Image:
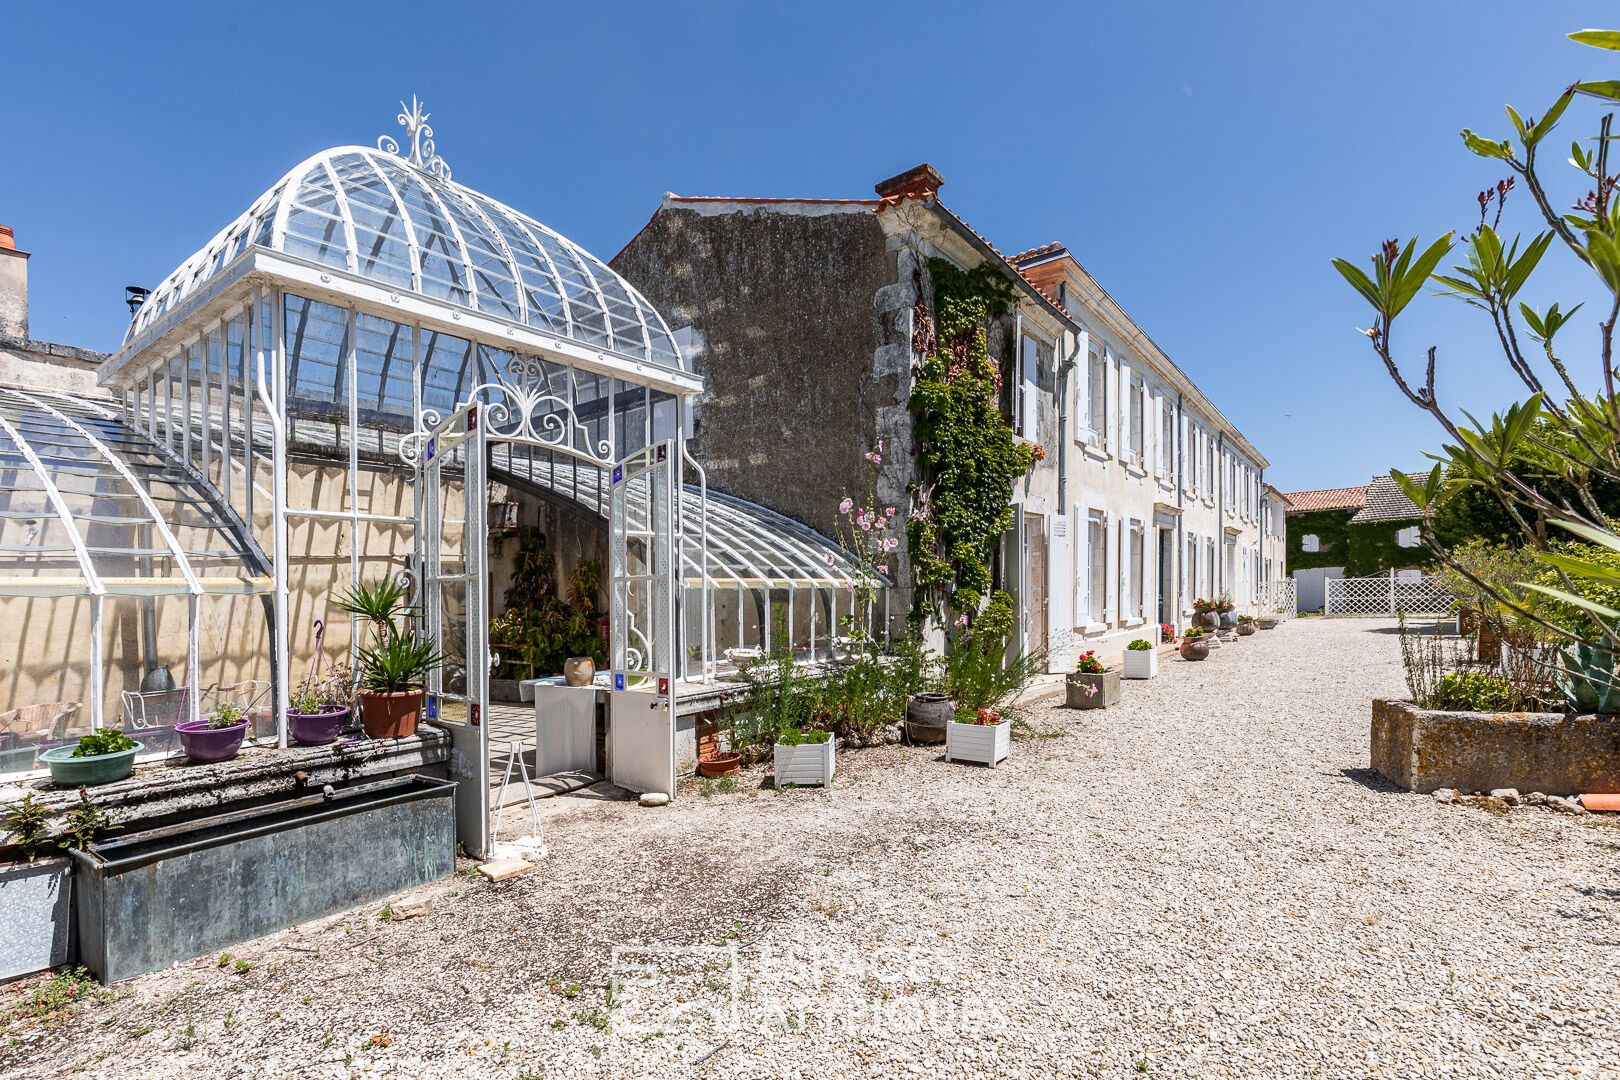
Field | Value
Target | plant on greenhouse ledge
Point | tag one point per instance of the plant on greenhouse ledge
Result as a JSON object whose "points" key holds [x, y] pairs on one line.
{"points": [[103, 741], [1545, 459], [392, 675], [1140, 645], [381, 605], [226, 715]]}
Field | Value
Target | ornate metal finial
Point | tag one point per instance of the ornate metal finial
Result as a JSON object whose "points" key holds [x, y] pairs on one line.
{"points": [[422, 155]]}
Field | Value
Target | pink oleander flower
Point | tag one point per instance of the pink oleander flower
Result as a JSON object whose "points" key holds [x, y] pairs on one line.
{"points": [[845, 506]]}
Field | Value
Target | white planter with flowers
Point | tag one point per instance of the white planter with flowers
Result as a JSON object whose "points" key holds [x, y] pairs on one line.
{"points": [[984, 743], [1141, 663]]}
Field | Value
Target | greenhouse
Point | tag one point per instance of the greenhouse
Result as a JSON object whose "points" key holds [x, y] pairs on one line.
{"points": [[378, 373]]}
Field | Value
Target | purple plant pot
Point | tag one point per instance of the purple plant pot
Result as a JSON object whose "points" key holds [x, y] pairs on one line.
{"points": [[205, 744], [315, 729]]}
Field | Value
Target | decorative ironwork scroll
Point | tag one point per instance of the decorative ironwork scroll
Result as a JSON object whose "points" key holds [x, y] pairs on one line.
{"points": [[420, 134]]}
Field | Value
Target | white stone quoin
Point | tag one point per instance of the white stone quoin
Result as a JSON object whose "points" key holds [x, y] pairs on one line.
{"points": [[807, 763], [984, 743]]}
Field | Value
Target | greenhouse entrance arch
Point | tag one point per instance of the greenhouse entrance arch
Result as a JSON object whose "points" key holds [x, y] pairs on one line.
{"points": [[453, 456]]}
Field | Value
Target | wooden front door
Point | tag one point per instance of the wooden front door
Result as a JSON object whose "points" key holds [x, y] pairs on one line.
{"points": [[1035, 562]]}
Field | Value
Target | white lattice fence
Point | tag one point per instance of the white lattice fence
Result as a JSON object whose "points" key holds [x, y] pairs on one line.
{"points": [[1386, 596], [1278, 600]]}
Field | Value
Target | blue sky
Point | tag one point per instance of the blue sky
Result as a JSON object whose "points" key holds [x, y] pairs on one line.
{"points": [[1204, 160]]}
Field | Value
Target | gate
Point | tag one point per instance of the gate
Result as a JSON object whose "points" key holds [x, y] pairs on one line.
{"points": [[1389, 596], [1278, 600], [454, 584], [641, 597]]}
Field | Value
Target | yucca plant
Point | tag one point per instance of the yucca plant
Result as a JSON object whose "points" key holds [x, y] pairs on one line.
{"points": [[398, 664]]}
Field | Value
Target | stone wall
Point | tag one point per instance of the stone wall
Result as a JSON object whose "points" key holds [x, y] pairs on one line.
{"points": [[780, 305]]}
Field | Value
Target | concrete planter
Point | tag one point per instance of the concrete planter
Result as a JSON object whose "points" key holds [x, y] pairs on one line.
{"points": [[806, 764], [983, 743], [36, 916], [1423, 750], [1088, 690], [1140, 664], [1266, 624]]}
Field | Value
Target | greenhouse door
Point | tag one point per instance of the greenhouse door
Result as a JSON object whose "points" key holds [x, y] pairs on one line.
{"points": [[641, 598], [454, 579]]}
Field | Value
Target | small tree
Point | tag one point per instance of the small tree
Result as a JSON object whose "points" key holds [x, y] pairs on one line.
{"points": [[1542, 460]]}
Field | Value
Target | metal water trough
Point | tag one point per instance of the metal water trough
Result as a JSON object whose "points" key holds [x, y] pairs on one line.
{"points": [[152, 899]]}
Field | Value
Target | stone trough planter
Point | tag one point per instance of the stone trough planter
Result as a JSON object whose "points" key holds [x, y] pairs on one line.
{"points": [[1424, 750], [1087, 690]]}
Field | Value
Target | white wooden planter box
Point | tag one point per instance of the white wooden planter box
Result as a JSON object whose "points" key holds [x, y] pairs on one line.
{"points": [[807, 763], [984, 743], [1141, 663]]}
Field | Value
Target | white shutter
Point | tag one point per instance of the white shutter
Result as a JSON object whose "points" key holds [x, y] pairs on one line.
{"points": [[1125, 434], [1111, 403], [1081, 411], [1059, 590], [1155, 432], [1111, 568]]}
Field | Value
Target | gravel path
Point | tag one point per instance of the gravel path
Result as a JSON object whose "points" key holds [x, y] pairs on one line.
{"points": [[1202, 881]]}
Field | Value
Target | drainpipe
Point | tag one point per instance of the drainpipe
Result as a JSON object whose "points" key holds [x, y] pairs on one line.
{"points": [[1182, 584], [1063, 433], [1220, 513]]}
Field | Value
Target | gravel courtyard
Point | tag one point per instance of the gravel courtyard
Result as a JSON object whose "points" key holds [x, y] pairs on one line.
{"points": [[1202, 881]]}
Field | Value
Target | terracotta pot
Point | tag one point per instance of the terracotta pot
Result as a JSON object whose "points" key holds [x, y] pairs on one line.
{"points": [[720, 764], [1195, 649], [1488, 647], [1467, 620], [579, 671], [1244, 629], [316, 729], [207, 745], [926, 716], [390, 716]]}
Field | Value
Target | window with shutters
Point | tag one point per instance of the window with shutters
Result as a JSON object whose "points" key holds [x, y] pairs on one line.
{"points": [[1137, 568], [1167, 439], [1138, 408], [1097, 392], [1097, 552]]}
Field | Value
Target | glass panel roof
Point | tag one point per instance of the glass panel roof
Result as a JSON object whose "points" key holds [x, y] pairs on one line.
{"points": [[88, 504], [370, 213]]}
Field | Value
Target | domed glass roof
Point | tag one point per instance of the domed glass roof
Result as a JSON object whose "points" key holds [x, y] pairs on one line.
{"points": [[370, 213]]}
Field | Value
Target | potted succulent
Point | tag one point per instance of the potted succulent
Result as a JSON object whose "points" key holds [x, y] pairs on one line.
{"points": [[1092, 686], [393, 675], [1193, 645], [1223, 608], [216, 739], [1206, 613], [981, 736], [1141, 660], [319, 710], [100, 757], [805, 757], [1245, 625], [394, 668]]}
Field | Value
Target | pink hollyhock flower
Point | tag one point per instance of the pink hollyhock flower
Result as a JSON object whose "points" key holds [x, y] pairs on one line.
{"points": [[866, 525], [844, 507], [888, 511], [961, 620], [883, 568]]}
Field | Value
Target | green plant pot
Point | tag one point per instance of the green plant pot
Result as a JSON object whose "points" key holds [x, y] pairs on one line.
{"points": [[70, 771]]}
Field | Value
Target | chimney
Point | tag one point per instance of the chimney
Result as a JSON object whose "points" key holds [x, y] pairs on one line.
{"points": [[13, 287], [919, 182]]}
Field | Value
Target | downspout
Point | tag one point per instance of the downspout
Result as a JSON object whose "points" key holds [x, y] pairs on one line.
{"points": [[1220, 514], [1183, 585]]}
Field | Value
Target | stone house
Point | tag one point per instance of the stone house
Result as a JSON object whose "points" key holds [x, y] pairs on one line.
{"points": [[799, 315], [1361, 531]]}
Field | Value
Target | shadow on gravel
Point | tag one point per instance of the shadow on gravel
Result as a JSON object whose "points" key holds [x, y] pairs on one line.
{"points": [[1446, 628], [1373, 780]]}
